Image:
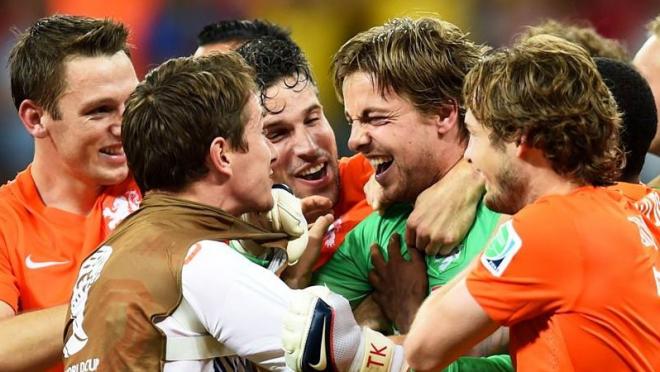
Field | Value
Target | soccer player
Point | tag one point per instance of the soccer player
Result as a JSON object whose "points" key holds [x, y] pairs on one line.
{"points": [[401, 87], [549, 273], [165, 291], [303, 145], [69, 78]]}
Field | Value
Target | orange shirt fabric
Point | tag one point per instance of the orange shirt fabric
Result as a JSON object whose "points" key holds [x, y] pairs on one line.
{"points": [[577, 280], [41, 248], [351, 207]]}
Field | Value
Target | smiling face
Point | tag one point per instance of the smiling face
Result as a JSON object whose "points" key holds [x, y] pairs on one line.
{"points": [[86, 141], [303, 139], [506, 184], [400, 142]]}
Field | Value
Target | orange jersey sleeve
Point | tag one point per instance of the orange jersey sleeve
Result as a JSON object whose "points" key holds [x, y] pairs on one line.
{"points": [[351, 208], [575, 278], [41, 248]]}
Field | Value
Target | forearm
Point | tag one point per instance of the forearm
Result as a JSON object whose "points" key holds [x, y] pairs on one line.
{"points": [[33, 340], [446, 327]]}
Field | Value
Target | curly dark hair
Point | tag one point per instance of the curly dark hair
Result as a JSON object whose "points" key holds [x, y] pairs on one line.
{"points": [[241, 31], [638, 112], [276, 60], [548, 90]]}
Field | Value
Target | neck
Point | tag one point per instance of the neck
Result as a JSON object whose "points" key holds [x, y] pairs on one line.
{"points": [[207, 192], [61, 189], [545, 181], [447, 159]]}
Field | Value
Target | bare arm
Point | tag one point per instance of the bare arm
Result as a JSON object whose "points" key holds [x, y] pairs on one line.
{"points": [[444, 212], [458, 322], [31, 341]]}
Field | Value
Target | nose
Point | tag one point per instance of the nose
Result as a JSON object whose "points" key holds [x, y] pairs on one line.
{"points": [[359, 138], [273, 152], [115, 127], [305, 146]]}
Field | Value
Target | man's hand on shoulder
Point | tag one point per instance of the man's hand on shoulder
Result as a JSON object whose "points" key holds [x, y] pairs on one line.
{"points": [[445, 212]]}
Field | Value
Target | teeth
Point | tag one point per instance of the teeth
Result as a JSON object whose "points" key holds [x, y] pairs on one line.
{"points": [[376, 161], [312, 170], [115, 150]]}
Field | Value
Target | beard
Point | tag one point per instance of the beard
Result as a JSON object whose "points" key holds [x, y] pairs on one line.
{"points": [[509, 193]]}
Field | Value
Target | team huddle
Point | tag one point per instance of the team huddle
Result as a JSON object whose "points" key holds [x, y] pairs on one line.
{"points": [[492, 218]]}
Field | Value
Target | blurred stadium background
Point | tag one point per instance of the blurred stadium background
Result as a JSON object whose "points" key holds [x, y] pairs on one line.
{"points": [[162, 29]]}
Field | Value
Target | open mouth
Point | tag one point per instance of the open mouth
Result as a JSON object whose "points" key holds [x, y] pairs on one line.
{"points": [[381, 163], [113, 150], [314, 173]]}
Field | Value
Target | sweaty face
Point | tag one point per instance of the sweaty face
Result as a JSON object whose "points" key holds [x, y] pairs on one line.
{"points": [[506, 185], [647, 61], [400, 142], [251, 170], [305, 143], [86, 140]]}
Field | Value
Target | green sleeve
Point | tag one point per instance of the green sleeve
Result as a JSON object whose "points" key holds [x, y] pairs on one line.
{"points": [[441, 269], [347, 271], [494, 363]]}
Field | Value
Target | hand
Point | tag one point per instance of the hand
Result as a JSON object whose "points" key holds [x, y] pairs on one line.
{"points": [[319, 332], [444, 212], [315, 206], [374, 194], [315, 320], [369, 314], [299, 274], [286, 216], [400, 286]]}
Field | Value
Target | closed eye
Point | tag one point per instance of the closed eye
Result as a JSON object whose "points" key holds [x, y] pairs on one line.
{"points": [[275, 135]]}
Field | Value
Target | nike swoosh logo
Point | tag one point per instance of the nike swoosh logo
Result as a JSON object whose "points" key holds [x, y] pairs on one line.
{"points": [[40, 265], [320, 366]]}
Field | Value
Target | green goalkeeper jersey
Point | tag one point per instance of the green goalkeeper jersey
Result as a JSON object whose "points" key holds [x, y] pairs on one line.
{"points": [[347, 271]]}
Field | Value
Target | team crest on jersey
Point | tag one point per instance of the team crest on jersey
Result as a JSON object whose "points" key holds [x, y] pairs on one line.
{"points": [[329, 240], [502, 249], [121, 207]]}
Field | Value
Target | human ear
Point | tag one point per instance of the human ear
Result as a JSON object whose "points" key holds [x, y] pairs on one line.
{"points": [[32, 115]]}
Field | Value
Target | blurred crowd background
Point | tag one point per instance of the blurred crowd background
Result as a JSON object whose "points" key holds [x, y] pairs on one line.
{"points": [[162, 29]]}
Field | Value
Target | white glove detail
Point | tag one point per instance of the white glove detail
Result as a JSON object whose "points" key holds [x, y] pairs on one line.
{"points": [[286, 216], [320, 334]]}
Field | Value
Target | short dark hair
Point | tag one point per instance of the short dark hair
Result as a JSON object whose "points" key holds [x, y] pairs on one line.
{"points": [[548, 90], [423, 60], [638, 112], [582, 34], [37, 60], [177, 111], [276, 60], [240, 31]]}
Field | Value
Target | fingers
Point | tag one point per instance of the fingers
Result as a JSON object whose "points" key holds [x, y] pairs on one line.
{"points": [[377, 259], [394, 248], [411, 234], [320, 226], [314, 206], [417, 256]]}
